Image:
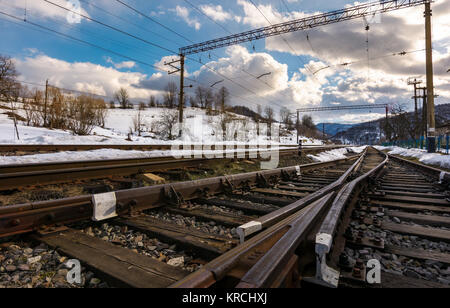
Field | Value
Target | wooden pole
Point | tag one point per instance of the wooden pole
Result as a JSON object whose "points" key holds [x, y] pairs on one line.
{"points": [[181, 98], [431, 125]]}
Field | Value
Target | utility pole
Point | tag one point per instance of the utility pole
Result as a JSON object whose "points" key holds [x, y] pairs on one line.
{"points": [[181, 95], [181, 98], [415, 82], [323, 130], [386, 129], [45, 103], [423, 128], [298, 126], [431, 126]]}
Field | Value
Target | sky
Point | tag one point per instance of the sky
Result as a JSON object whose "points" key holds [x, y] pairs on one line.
{"points": [[112, 46]]}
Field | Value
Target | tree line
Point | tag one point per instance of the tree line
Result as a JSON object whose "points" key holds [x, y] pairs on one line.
{"points": [[204, 98], [50, 108]]}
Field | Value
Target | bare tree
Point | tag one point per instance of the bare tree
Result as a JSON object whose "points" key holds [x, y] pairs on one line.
{"points": [[222, 98], [170, 95], [270, 115], [58, 109], [285, 115], [8, 76], [152, 102], [101, 111], [259, 111], [123, 98], [204, 97], [137, 123], [82, 112], [166, 124], [308, 122], [400, 125], [142, 106]]}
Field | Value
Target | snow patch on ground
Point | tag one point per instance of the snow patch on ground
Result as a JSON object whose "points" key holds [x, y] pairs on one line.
{"points": [[434, 159], [107, 154], [336, 154], [200, 129]]}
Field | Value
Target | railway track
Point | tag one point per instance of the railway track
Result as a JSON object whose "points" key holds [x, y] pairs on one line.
{"points": [[316, 224], [21, 175], [398, 219], [199, 220], [46, 148]]}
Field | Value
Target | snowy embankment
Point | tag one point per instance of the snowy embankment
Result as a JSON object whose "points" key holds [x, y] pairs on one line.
{"points": [[108, 154], [200, 129], [434, 159], [336, 154]]}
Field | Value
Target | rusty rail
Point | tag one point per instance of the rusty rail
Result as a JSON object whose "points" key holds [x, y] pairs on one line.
{"points": [[272, 248], [4, 148], [25, 218], [276, 216], [14, 176], [436, 173], [326, 275]]}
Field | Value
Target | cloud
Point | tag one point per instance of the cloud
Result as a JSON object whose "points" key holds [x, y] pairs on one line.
{"points": [[121, 65], [184, 13], [383, 78], [42, 9], [241, 66], [216, 12], [81, 76]]}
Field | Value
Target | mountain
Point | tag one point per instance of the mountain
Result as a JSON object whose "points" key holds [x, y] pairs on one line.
{"points": [[331, 129], [245, 111], [373, 132]]}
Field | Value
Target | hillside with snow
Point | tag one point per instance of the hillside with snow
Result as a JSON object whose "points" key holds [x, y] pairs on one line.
{"points": [[119, 129]]}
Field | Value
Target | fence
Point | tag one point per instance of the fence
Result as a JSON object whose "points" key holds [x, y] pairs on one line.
{"points": [[442, 143]]}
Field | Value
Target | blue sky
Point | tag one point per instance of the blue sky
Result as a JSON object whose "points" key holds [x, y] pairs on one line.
{"points": [[41, 55]]}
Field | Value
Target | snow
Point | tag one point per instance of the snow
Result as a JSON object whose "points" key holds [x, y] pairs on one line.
{"points": [[336, 154], [434, 159], [107, 154], [199, 129]]}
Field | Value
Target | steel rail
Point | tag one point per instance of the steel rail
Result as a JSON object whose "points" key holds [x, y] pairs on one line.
{"points": [[278, 215], [15, 176], [267, 270], [437, 174], [34, 148], [28, 167], [87, 147], [325, 239], [22, 175], [18, 219], [326, 275], [280, 235]]}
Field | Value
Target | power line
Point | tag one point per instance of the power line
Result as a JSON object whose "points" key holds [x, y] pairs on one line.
{"points": [[130, 22], [62, 89], [66, 36], [243, 70], [81, 41], [403, 53], [307, 34], [203, 13], [109, 26], [284, 39], [155, 45], [154, 20], [213, 70]]}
